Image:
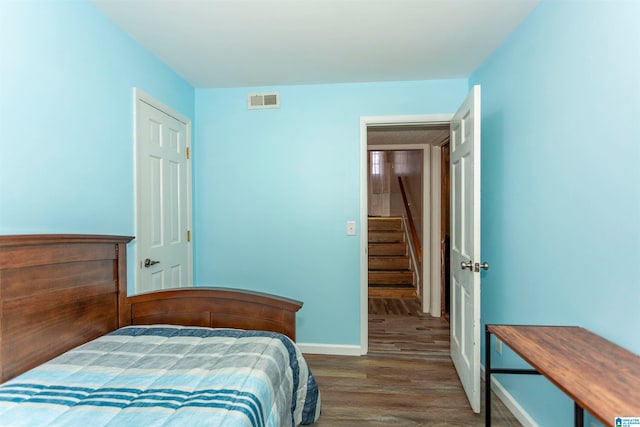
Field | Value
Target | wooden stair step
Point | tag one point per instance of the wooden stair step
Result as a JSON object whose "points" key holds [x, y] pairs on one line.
{"points": [[391, 277], [397, 286], [390, 274], [387, 249], [385, 224], [392, 292], [389, 263], [386, 237]]}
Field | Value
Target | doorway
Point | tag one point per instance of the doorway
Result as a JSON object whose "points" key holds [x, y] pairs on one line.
{"points": [[395, 217], [465, 235], [414, 128]]}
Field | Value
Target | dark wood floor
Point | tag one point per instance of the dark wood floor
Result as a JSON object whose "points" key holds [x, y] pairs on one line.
{"points": [[407, 379]]}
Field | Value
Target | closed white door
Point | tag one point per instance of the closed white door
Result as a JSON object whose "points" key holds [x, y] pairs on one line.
{"points": [[163, 236], [465, 245]]}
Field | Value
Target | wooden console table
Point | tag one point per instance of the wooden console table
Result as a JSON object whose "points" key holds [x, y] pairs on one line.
{"points": [[600, 376]]}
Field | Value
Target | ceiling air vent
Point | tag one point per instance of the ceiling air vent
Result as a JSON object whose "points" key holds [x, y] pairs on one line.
{"points": [[264, 100]]}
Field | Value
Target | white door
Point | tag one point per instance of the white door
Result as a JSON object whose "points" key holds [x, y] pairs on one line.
{"points": [[465, 245], [162, 211]]}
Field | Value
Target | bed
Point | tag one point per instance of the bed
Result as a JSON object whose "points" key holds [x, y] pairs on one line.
{"points": [[75, 349]]}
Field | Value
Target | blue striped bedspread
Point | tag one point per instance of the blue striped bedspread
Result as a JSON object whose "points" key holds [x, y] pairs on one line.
{"points": [[164, 375]]}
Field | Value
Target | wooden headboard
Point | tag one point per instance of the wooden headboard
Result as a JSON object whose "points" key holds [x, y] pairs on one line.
{"points": [[60, 291], [56, 292]]}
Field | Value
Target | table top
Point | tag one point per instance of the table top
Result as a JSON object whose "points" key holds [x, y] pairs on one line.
{"points": [[602, 377]]}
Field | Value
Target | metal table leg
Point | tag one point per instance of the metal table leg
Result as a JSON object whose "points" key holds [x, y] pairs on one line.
{"points": [[578, 415], [487, 377]]}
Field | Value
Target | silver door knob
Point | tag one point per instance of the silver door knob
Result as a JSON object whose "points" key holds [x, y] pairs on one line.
{"points": [[484, 266], [465, 265], [148, 263]]}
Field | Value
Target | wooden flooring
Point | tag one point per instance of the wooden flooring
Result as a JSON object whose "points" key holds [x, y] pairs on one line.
{"points": [[397, 327], [407, 379]]}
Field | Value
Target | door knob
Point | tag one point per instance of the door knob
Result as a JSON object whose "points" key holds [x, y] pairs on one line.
{"points": [[148, 263], [484, 266], [465, 265]]}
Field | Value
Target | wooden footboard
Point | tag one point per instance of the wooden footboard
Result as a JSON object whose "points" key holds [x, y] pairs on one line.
{"points": [[213, 307], [60, 291]]}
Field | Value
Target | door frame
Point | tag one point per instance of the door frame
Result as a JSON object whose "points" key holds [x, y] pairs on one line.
{"points": [[428, 227], [141, 96]]}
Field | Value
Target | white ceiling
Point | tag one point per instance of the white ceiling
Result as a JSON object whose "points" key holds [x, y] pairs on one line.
{"points": [[237, 43]]}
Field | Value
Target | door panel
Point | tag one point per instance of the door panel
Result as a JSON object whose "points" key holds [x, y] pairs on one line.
{"points": [[465, 245], [155, 204], [175, 221]]}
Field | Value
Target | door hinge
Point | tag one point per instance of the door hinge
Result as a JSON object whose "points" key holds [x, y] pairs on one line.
{"points": [[186, 151], [188, 235]]}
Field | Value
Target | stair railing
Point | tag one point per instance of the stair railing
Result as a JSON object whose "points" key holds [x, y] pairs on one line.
{"points": [[414, 243], [412, 226]]}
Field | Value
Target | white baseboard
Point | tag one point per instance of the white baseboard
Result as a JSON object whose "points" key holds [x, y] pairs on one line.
{"points": [[333, 349], [509, 401]]}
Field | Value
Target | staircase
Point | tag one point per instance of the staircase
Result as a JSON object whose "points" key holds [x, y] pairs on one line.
{"points": [[390, 274]]}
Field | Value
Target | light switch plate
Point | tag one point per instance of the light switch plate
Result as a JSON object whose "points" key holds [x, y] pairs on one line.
{"points": [[351, 228]]}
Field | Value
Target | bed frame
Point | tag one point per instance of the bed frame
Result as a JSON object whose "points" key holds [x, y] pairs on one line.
{"points": [[60, 291]]}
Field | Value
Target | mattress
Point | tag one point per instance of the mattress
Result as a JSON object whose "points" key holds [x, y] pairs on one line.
{"points": [[164, 375]]}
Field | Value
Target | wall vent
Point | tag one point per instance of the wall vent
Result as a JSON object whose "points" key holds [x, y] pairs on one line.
{"points": [[264, 100]]}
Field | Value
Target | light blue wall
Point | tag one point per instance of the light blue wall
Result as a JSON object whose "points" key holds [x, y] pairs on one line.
{"points": [[561, 181], [66, 106], [274, 189]]}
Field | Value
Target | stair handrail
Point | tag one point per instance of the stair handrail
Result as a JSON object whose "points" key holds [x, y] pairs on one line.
{"points": [[415, 265], [412, 226]]}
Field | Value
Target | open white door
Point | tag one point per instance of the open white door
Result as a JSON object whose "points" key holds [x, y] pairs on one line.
{"points": [[163, 214], [465, 245]]}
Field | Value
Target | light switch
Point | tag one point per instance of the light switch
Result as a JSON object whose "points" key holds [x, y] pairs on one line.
{"points": [[351, 228]]}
